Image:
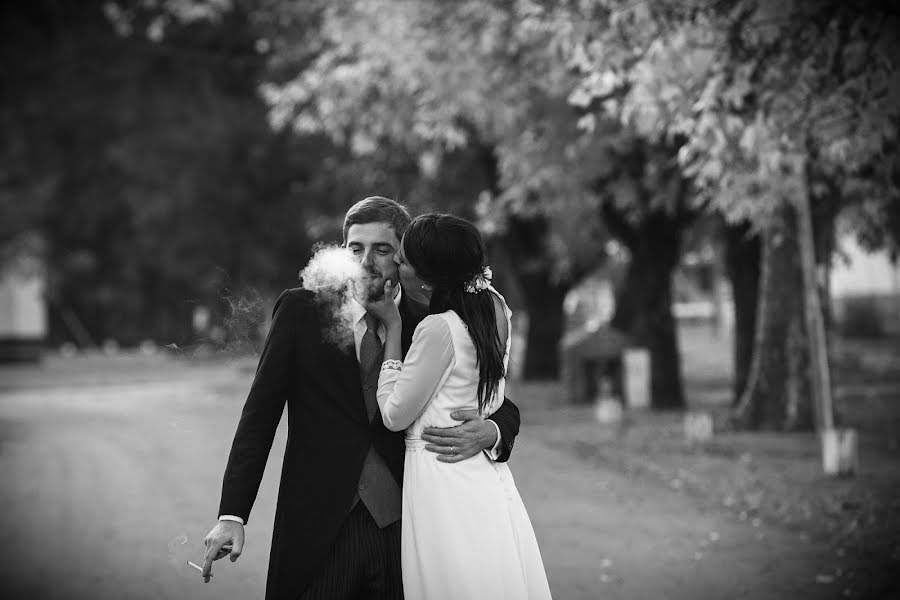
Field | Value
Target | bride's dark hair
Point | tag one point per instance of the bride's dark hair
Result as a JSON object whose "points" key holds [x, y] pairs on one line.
{"points": [[447, 252]]}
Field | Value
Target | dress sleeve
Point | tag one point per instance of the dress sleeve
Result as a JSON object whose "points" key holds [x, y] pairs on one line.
{"points": [[404, 394]]}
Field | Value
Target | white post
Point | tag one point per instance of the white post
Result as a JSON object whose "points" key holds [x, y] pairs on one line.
{"points": [[839, 452], [607, 408], [698, 427], [636, 377]]}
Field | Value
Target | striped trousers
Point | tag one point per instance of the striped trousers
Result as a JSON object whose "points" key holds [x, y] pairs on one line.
{"points": [[364, 562]]}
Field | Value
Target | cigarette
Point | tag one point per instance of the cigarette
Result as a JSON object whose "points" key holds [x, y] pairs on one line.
{"points": [[196, 566]]}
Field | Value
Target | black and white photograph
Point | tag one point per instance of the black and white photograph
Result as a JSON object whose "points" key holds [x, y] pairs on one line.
{"points": [[450, 299]]}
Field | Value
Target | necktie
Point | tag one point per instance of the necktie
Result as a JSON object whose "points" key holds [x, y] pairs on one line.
{"points": [[371, 353]]}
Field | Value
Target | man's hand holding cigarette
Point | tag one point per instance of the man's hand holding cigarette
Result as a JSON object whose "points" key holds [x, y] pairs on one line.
{"points": [[225, 532]]}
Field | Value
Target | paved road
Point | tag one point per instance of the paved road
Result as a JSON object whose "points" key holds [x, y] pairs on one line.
{"points": [[109, 484]]}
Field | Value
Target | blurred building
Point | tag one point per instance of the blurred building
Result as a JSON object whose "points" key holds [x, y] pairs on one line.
{"points": [[23, 310], [701, 292], [590, 351], [865, 291]]}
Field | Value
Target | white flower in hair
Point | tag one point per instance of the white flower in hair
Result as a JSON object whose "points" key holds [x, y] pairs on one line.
{"points": [[480, 281]]}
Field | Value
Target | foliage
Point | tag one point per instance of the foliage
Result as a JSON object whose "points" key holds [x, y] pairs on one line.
{"points": [[754, 87], [522, 113], [134, 159], [754, 95]]}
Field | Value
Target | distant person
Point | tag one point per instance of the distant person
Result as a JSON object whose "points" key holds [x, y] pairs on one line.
{"points": [[337, 523], [465, 533]]}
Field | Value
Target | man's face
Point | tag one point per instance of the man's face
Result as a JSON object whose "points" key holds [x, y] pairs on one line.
{"points": [[374, 246]]}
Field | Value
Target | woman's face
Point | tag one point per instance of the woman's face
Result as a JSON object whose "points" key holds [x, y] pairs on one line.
{"points": [[409, 280]]}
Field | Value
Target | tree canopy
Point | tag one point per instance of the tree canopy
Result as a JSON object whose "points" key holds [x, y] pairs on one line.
{"points": [[560, 122], [749, 85], [134, 160]]}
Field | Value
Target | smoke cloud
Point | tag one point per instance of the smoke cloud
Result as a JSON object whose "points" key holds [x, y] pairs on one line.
{"points": [[243, 323], [332, 273], [331, 270]]}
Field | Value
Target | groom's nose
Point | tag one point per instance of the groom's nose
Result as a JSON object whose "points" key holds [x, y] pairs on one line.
{"points": [[368, 257]]}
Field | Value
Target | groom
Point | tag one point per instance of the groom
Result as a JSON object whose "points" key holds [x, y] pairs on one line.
{"points": [[337, 522]]}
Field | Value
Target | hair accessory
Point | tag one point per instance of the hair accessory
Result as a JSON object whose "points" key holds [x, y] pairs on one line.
{"points": [[392, 365], [480, 281]]}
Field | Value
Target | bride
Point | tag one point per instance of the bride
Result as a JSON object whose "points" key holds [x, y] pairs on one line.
{"points": [[465, 532]]}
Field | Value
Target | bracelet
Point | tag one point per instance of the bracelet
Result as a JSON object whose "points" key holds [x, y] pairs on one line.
{"points": [[392, 365]]}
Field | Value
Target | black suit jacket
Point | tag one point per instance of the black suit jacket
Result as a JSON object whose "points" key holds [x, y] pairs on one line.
{"points": [[329, 435]]}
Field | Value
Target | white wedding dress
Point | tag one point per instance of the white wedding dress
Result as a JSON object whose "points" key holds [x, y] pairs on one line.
{"points": [[465, 532]]}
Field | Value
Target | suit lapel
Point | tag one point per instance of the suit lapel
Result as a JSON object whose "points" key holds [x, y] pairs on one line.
{"points": [[347, 371], [336, 369]]}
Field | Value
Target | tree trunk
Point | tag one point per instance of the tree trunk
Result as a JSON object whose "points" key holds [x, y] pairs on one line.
{"points": [[820, 371], [544, 303], [742, 263], [522, 271], [777, 395], [541, 292], [644, 305], [825, 209]]}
